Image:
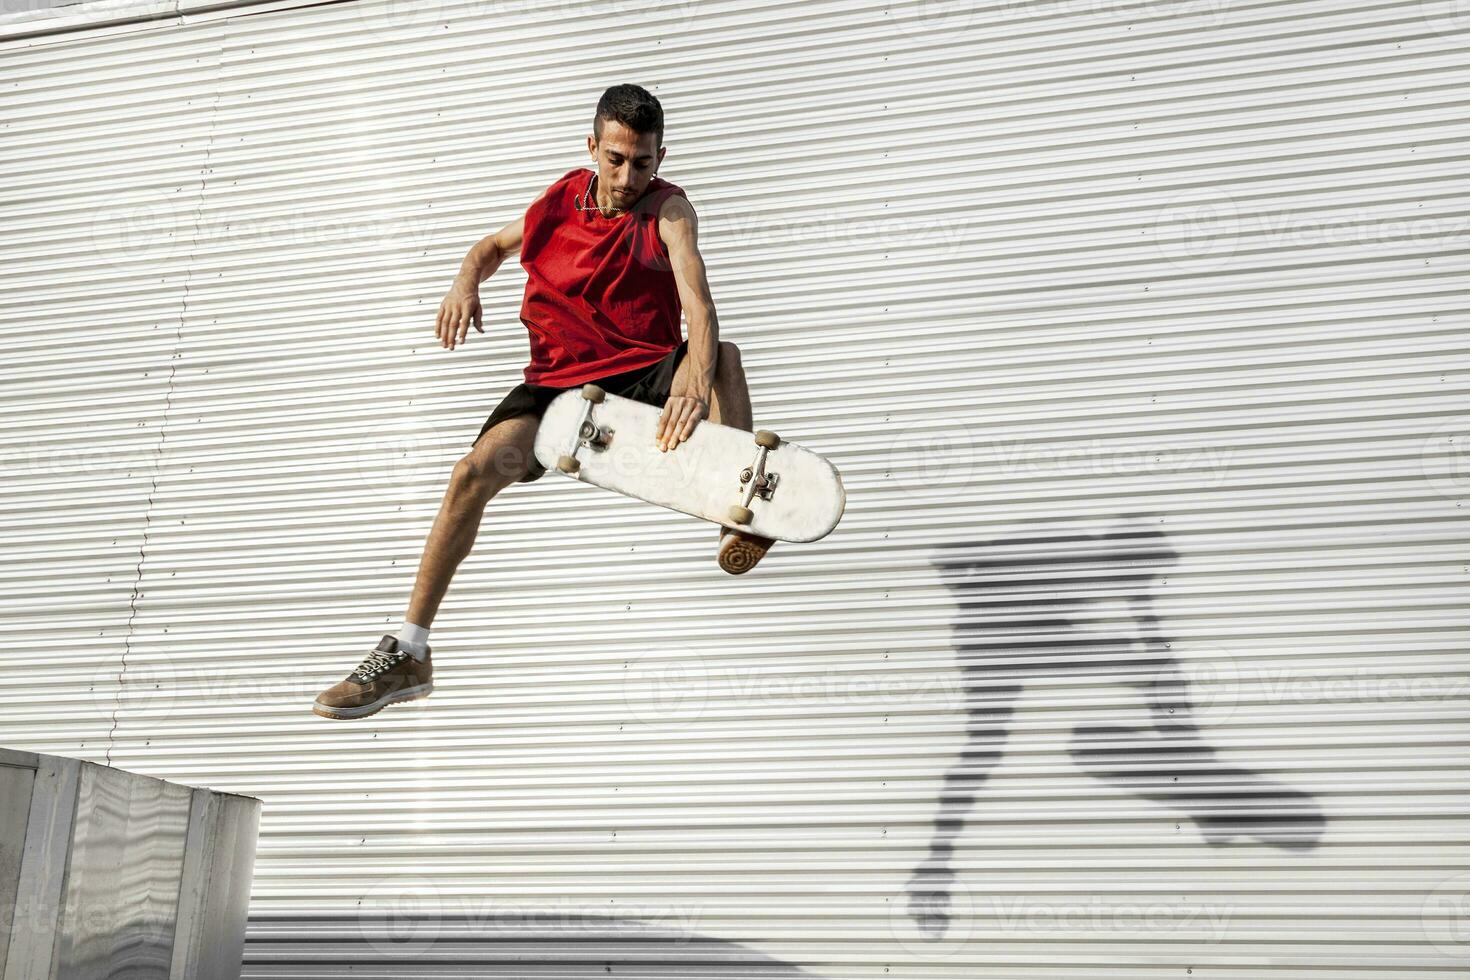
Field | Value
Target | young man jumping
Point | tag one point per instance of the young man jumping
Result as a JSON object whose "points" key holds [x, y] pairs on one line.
{"points": [[612, 259]]}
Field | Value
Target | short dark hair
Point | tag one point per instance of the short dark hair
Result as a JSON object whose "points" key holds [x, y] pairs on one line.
{"points": [[633, 106]]}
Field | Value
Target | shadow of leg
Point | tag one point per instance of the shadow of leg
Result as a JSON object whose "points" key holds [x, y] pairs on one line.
{"points": [[986, 732]]}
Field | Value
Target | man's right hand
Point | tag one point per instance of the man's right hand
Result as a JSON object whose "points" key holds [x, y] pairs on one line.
{"points": [[460, 308]]}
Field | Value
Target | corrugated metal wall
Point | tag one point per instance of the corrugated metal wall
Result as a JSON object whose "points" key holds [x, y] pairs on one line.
{"points": [[1137, 330]]}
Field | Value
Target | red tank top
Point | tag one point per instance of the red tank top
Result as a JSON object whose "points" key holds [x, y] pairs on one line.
{"points": [[600, 294]]}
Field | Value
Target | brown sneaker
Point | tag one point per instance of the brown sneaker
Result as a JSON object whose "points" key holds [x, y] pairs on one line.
{"points": [[387, 675], [740, 551]]}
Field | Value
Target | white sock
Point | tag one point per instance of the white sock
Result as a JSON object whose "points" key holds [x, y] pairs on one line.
{"points": [[413, 640]]}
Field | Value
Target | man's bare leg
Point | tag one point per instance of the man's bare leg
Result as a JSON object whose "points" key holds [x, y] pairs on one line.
{"points": [[730, 404], [500, 457]]}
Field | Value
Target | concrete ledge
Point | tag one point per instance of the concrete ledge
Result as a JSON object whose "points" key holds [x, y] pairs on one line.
{"points": [[101, 867]]}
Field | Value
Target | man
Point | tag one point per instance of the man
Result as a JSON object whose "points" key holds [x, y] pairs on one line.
{"points": [[612, 259]]}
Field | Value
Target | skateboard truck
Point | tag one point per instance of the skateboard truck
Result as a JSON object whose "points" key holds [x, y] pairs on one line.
{"points": [[589, 433], [755, 480]]}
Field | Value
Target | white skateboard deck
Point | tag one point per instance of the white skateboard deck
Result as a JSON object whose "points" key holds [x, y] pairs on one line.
{"points": [[719, 473]]}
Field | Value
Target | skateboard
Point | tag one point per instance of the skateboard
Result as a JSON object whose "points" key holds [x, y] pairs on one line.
{"points": [[751, 481]]}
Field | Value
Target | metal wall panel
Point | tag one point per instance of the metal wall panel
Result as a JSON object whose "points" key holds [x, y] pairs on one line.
{"points": [[1136, 330]]}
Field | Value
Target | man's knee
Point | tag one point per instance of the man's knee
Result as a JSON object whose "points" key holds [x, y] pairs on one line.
{"points": [[499, 458], [490, 468], [471, 475]]}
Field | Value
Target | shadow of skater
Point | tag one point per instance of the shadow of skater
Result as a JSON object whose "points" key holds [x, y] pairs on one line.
{"points": [[1036, 605]]}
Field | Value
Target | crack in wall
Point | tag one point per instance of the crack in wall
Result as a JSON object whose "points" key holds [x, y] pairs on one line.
{"points": [[204, 172]]}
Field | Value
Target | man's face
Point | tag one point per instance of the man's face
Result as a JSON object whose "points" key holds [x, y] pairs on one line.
{"points": [[626, 162]]}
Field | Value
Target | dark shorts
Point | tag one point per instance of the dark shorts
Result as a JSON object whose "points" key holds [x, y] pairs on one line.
{"points": [[650, 384]]}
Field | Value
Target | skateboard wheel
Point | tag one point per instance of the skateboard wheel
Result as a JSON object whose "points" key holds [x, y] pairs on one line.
{"points": [[767, 439], [593, 393], [568, 464], [741, 515]]}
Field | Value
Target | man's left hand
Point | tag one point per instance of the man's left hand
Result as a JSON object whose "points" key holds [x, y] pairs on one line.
{"points": [[681, 414]]}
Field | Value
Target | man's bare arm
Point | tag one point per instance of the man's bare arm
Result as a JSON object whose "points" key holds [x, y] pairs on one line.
{"points": [[678, 226], [461, 305], [486, 255]]}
